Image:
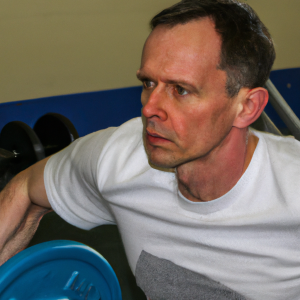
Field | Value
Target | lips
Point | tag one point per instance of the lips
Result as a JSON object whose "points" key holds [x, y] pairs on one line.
{"points": [[155, 138], [154, 134]]}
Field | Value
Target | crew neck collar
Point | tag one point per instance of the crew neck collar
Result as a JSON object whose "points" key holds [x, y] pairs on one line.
{"points": [[232, 195]]}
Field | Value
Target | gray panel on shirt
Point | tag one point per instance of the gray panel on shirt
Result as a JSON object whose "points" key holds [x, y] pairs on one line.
{"points": [[161, 279]]}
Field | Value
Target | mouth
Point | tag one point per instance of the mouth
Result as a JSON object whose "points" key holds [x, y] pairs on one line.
{"points": [[155, 138]]}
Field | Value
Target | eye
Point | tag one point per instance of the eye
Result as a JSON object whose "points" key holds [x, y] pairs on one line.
{"points": [[180, 90], [148, 84]]}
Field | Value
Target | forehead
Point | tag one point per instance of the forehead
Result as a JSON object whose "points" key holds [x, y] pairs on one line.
{"points": [[188, 49]]}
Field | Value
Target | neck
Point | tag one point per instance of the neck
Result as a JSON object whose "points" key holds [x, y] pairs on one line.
{"points": [[213, 175]]}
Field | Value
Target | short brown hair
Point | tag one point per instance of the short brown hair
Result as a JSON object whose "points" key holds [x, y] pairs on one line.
{"points": [[247, 53]]}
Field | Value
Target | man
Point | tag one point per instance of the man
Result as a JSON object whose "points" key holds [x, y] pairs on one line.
{"points": [[206, 209]]}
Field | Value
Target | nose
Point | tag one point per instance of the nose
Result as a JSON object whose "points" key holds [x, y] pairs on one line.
{"points": [[154, 104]]}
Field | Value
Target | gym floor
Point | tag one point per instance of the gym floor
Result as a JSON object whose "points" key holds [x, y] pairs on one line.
{"points": [[104, 239]]}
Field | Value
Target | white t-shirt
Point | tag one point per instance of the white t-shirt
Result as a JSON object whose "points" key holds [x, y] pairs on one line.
{"points": [[248, 240]]}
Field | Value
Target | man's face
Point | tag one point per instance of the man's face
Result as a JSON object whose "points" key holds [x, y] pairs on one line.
{"points": [[186, 111]]}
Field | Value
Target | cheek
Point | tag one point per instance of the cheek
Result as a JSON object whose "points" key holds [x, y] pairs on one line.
{"points": [[180, 125], [221, 114], [188, 127], [202, 123]]}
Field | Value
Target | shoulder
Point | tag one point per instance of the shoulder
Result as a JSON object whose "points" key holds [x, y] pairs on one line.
{"points": [[110, 139], [103, 150], [123, 155], [280, 148], [282, 159], [129, 132], [125, 139], [282, 152]]}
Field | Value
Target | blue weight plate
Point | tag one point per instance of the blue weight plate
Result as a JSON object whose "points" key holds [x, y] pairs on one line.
{"points": [[58, 270]]}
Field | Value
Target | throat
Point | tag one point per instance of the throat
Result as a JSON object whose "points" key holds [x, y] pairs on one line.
{"points": [[209, 179]]}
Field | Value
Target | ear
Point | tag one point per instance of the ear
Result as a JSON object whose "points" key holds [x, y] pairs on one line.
{"points": [[250, 106]]}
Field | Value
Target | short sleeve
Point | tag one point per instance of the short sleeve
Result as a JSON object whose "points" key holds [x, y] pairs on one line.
{"points": [[71, 182]]}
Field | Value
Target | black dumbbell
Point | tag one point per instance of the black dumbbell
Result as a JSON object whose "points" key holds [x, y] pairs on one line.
{"points": [[21, 146], [55, 132]]}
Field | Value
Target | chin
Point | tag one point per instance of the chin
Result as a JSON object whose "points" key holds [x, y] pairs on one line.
{"points": [[161, 162], [162, 167], [159, 158]]}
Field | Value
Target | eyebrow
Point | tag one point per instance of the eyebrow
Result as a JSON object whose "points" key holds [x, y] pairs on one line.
{"points": [[182, 83], [142, 76]]}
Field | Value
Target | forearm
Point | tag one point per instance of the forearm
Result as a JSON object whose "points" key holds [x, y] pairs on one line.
{"points": [[19, 215], [19, 236]]}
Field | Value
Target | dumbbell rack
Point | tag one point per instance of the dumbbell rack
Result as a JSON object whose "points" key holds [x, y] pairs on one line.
{"points": [[21, 146]]}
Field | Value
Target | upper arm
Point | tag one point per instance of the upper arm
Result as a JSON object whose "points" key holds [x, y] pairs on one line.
{"points": [[72, 181], [35, 184]]}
